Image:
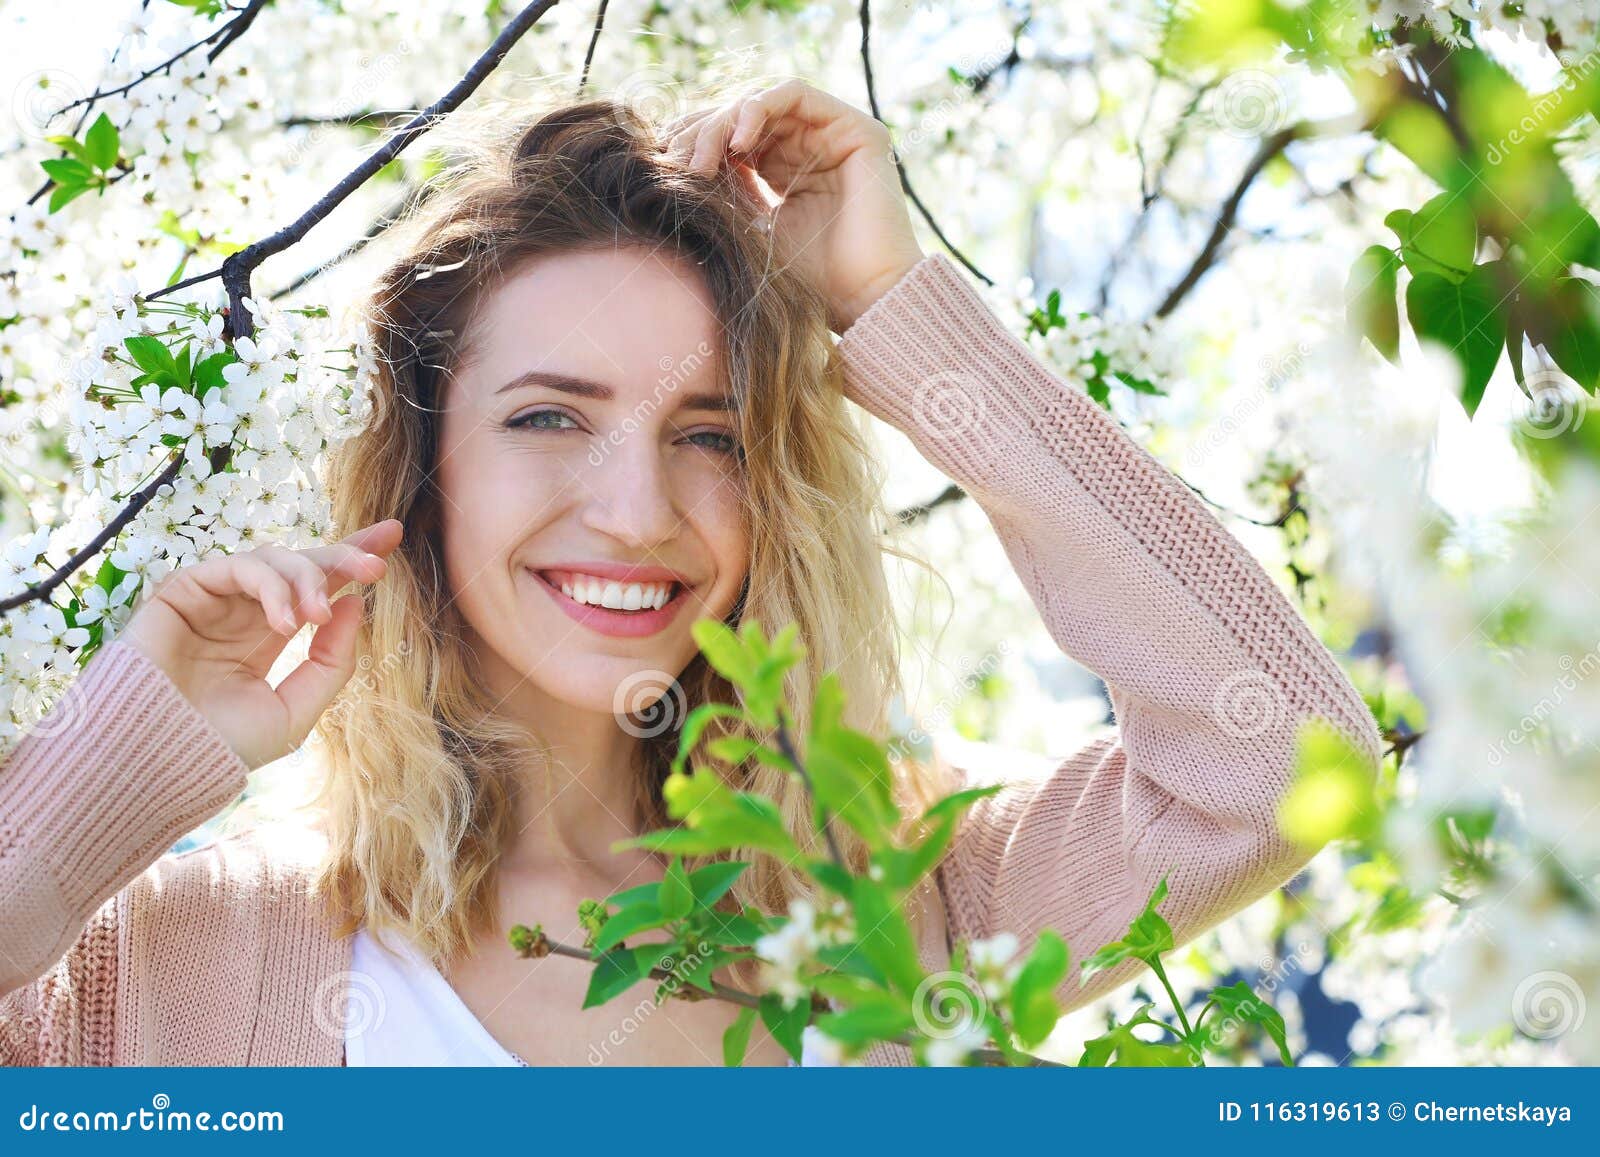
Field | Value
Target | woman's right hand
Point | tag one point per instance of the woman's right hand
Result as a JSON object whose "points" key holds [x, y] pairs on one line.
{"points": [[217, 627]]}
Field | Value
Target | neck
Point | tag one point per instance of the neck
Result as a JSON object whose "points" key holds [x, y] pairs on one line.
{"points": [[574, 806]]}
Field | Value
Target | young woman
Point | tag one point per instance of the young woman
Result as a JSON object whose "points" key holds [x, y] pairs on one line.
{"points": [[610, 405]]}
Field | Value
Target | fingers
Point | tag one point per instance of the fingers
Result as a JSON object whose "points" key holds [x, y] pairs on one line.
{"points": [[246, 575], [380, 538], [705, 136], [309, 688]]}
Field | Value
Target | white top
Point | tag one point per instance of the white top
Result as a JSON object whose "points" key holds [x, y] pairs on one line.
{"points": [[400, 1010]]}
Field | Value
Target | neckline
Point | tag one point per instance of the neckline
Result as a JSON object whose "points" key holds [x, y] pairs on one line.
{"points": [[440, 990]]}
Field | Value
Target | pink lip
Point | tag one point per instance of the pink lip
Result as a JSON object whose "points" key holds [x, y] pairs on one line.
{"points": [[620, 572], [618, 624]]}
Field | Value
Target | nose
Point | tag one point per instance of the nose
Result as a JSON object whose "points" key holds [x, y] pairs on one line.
{"points": [[629, 495]]}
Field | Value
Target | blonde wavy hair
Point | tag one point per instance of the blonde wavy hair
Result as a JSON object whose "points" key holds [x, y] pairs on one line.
{"points": [[418, 797]]}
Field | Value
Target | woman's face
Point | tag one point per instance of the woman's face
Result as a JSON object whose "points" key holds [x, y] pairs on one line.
{"points": [[590, 478]]}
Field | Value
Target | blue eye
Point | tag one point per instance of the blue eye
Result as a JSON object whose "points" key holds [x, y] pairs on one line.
{"points": [[721, 441], [534, 420]]}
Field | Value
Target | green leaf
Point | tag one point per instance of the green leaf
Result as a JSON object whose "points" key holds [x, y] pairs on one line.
{"points": [[884, 937], [208, 374], [1034, 1010], [737, 1038], [1444, 237], [1467, 319], [151, 355], [1149, 935], [695, 725], [100, 144], [72, 146], [880, 1019], [1372, 299], [724, 651], [614, 973], [785, 1024], [675, 896], [1332, 794], [1566, 326], [637, 918], [66, 171], [1239, 1003]]}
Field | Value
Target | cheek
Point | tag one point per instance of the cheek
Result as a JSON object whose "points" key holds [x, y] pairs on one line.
{"points": [[716, 511]]}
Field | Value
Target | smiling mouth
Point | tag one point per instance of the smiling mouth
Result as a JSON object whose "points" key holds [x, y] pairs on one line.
{"points": [[626, 598]]}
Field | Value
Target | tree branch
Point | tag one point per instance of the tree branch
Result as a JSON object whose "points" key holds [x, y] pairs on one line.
{"points": [[905, 181], [594, 39], [228, 33], [130, 510], [236, 271], [542, 946]]}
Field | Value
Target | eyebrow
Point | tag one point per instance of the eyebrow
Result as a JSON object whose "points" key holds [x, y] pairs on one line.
{"points": [[584, 388]]}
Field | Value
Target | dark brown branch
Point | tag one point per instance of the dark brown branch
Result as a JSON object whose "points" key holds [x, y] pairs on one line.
{"points": [[236, 271], [1270, 147], [141, 499], [905, 181], [594, 39], [921, 510], [381, 224]]}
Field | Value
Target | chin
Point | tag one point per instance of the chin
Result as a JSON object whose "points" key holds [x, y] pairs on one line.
{"points": [[598, 683]]}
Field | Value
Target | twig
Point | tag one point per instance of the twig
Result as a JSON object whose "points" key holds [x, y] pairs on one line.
{"points": [[382, 223], [905, 181], [786, 745], [719, 991], [138, 502], [228, 33], [1270, 147], [594, 39], [237, 269], [921, 510]]}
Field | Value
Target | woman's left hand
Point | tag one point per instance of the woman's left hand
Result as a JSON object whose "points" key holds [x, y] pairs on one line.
{"points": [[843, 219]]}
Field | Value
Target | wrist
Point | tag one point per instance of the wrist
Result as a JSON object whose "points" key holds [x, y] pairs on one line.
{"points": [[864, 299]]}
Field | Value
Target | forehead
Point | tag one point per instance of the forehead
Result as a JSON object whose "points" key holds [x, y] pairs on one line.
{"points": [[629, 317]]}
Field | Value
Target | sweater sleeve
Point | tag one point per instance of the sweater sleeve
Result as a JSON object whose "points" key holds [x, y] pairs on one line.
{"points": [[118, 769], [1209, 667]]}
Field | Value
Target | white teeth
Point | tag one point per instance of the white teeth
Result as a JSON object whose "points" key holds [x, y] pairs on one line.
{"points": [[617, 596]]}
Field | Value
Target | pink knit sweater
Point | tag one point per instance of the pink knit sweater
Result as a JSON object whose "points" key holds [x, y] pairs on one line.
{"points": [[112, 952]]}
